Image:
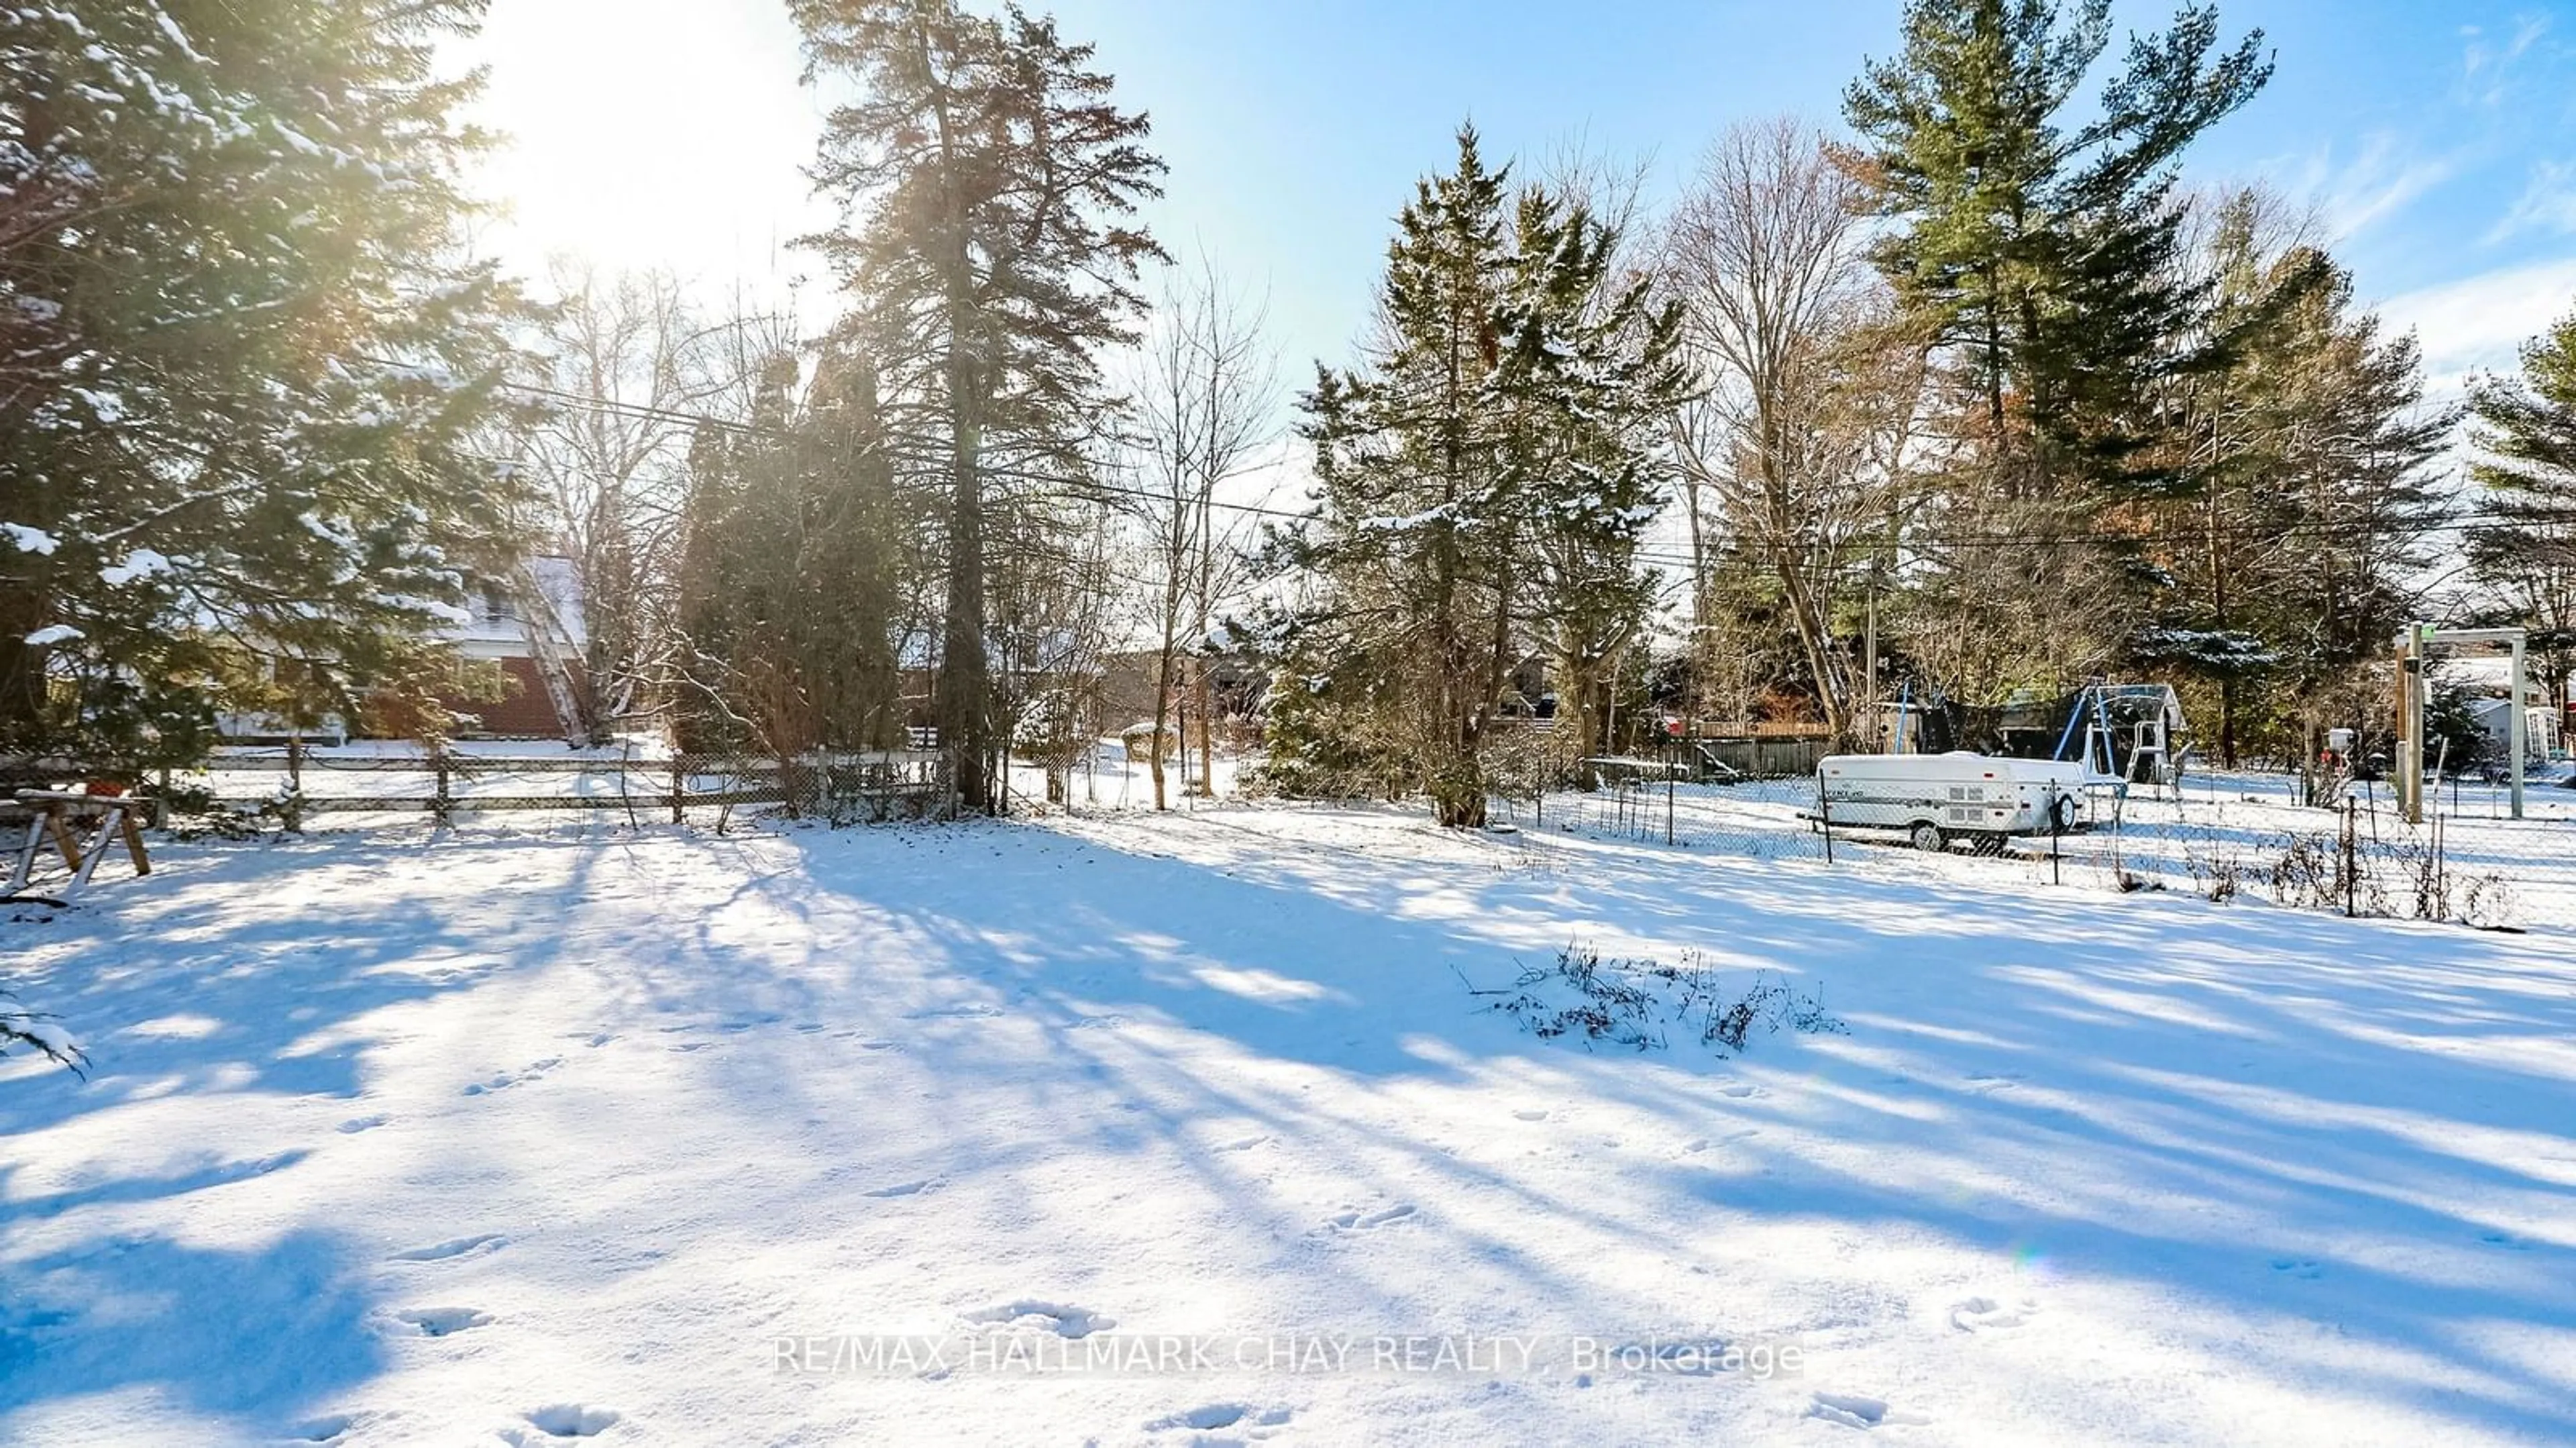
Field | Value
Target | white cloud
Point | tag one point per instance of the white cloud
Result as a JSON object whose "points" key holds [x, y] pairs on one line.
{"points": [[2547, 203], [2481, 321], [2383, 180], [2486, 67]]}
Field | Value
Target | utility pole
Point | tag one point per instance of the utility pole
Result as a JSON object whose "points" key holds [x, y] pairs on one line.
{"points": [[1869, 663], [2517, 720], [2410, 725]]}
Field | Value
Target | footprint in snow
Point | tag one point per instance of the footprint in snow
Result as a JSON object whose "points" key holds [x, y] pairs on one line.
{"points": [[453, 1247], [1741, 1091], [1055, 1317], [973, 1011], [1213, 1416], [1243, 1143], [508, 1079], [440, 1321], [326, 1429], [356, 1124], [687, 1046], [1854, 1411], [2504, 1239], [568, 1420], [1848, 1409], [1985, 1314], [908, 1189], [1353, 1219], [1530, 1114], [1986, 1083], [2300, 1267]]}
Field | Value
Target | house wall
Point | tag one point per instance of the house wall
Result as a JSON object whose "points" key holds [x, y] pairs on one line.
{"points": [[525, 713]]}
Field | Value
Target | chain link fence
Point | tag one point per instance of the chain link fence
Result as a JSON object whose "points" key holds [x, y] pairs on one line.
{"points": [[2230, 839], [2358, 858]]}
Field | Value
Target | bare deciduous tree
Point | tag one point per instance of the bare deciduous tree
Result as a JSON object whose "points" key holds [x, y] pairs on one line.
{"points": [[1801, 427], [623, 361], [1205, 408]]}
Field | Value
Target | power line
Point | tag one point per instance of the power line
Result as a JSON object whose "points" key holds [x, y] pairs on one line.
{"points": [[1918, 542]]}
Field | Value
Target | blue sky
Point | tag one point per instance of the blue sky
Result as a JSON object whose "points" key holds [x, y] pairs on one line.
{"points": [[2437, 136]]}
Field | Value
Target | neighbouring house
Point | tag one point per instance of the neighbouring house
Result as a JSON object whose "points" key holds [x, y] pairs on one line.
{"points": [[530, 627], [1128, 677], [2490, 679]]}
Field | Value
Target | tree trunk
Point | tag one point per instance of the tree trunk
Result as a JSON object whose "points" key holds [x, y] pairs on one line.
{"points": [[1206, 694], [1162, 712], [963, 704], [2218, 621], [1809, 620], [1459, 804], [1206, 591], [22, 664]]}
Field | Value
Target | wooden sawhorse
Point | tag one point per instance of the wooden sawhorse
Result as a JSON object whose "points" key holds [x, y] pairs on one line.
{"points": [[56, 814]]}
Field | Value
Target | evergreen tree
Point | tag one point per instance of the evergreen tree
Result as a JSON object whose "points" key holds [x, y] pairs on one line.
{"points": [[2524, 431], [2041, 254], [2296, 550], [2047, 254], [237, 435], [985, 177], [800, 574], [1482, 482], [1413, 544], [1591, 372]]}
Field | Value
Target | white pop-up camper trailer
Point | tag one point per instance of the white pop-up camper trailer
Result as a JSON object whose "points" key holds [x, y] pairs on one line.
{"points": [[1936, 799]]}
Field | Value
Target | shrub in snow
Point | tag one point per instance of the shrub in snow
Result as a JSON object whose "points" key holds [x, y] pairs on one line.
{"points": [[2309, 873], [2215, 871], [1640, 1003], [193, 812], [2489, 904]]}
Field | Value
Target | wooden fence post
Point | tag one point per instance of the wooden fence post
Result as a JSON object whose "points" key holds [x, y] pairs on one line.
{"points": [[294, 811], [679, 790], [442, 805]]}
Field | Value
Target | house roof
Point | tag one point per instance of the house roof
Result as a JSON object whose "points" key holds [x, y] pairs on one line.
{"points": [[2494, 672], [494, 618]]}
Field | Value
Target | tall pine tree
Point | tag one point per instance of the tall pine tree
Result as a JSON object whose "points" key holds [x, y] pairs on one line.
{"points": [[986, 181], [800, 574], [2039, 247], [1482, 483], [2297, 548], [2524, 431]]}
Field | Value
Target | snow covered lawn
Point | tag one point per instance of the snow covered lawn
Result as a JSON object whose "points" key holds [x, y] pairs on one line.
{"points": [[526, 1138]]}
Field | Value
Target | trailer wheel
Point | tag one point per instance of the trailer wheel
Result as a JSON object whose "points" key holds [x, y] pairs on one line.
{"points": [[2061, 813], [1927, 836]]}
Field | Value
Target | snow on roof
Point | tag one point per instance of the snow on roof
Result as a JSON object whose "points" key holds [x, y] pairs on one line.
{"points": [[2493, 671], [493, 615]]}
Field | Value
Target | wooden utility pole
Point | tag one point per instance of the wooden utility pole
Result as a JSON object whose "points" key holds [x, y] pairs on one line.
{"points": [[2412, 725]]}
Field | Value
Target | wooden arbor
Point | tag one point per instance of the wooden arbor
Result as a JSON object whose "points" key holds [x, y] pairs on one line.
{"points": [[2414, 648]]}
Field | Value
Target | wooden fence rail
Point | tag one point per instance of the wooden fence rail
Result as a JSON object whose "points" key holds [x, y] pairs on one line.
{"points": [[885, 785]]}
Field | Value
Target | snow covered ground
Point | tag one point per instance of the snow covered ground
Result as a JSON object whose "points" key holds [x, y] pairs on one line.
{"points": [[524, 1136]]}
